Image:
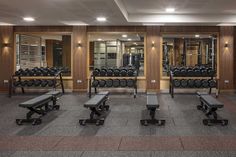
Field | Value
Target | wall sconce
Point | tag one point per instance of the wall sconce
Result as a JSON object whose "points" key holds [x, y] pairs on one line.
{"points": [[153, 44], [5, 45], [79, 45], [226, 45]]}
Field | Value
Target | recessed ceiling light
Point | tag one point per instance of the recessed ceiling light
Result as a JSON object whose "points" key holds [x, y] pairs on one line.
{"points": [[129, 39], [99, 39], [101, 19], [135, 44], [197, 35], [29, 19], [124, 35], [170, 10]]}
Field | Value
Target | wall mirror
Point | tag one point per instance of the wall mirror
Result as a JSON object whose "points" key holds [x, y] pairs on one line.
{"points": [[43, 50], [188, 50], [114, 50]]}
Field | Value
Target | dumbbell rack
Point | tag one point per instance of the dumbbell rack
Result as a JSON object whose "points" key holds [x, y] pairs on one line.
{"points": [[172, 86], [111, 77], [57, 76]]}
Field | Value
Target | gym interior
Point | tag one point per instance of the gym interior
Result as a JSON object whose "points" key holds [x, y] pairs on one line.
{"points": [[117, 78]]}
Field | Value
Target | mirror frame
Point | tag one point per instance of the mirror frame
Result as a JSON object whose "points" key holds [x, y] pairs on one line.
{"points": [[145, 51], [189, 33], [47, 33]]}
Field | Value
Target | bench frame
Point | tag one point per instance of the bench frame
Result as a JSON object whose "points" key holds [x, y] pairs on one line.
{"points": [[41, 109], [211, 113], [152, 112], [97, 111]]}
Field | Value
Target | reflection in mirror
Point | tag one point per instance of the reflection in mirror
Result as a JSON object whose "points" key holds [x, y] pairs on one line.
{"points": [[115, 50], [44, 50], [188, 50]]}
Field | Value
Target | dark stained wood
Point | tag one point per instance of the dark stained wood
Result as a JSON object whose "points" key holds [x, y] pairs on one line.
{"points": [[188, 29], [116, 29], [43, 29], [226, 57], [80, 58], [153, 58], [6, 55]]}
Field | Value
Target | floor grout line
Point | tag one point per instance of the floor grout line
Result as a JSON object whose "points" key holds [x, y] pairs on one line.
{"points": [[120, 143]]}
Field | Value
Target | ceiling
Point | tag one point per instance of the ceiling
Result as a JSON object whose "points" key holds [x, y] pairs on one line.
{"points": [[118, 12]]}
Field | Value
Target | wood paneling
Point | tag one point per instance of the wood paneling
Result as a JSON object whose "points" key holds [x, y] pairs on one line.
{"points": [[49, 52], [226, 57], [80, 58], [188, 29], [6, 55], [43, 29], [116, 29], [153, 58]]}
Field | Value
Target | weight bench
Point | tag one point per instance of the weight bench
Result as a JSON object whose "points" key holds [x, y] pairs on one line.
{"points": [[209, 105], [55, 97], [97, 105], [35, 105], [152, 106]]}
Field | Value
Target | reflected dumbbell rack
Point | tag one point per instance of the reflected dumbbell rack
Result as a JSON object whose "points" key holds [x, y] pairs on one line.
{"points": [[190, 78], [113, 78], [35, 79]]}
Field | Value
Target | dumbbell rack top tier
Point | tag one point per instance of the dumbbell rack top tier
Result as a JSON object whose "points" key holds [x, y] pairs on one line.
{"points": [[172, 78], [57, 76], [92, 78]]}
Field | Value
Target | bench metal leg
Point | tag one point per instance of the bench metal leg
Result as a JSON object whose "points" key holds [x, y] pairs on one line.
{"points": [[152, 112], [29, 119]]}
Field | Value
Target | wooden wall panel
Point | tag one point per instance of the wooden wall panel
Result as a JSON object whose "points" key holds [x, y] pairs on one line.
{"points": [[187, 29], [80, 58], [153, 58], [116, 29], [43, 29], [226, 57], [6, 55]]}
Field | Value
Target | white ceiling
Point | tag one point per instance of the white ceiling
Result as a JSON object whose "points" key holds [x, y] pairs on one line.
{"points": [[118, 12]]}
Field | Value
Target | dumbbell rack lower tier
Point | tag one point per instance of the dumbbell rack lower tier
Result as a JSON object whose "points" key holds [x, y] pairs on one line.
{"points": [[57, 76], [92, 78], [173, 78]]}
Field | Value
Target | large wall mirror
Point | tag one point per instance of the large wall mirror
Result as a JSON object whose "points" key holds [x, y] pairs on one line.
{"points": [[115, 50], [188, 50], [44, 50]]}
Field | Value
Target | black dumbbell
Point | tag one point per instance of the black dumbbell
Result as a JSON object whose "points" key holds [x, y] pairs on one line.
{"points": [[184, 83], [109, 72], [95, 83], [176, 72], [116, 83], [96, 72], [30, 83], [102, 83], [37, 82], [197, 72], [109, 83], [210, 72], [51, 83], [205, 83], [123, 72], [16, 83], [190, 72], [212, 83], [116, 72], [130, 72], [103, 72], [44, 83], [23, 83], [176, 83], [130, 83], [123, 83], [204, 72], [19, 72], [183, 72], [197, 83], [190, 83]]}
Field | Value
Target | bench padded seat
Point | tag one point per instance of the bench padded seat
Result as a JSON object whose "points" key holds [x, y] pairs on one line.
{"points": [[202, 93], [152, 101], [211, 102], [94, 101], [53, 93], [36, 101], [103, 93]]}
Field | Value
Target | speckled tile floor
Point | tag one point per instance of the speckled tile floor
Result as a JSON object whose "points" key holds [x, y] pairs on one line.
{"points": [[61, 135]]}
